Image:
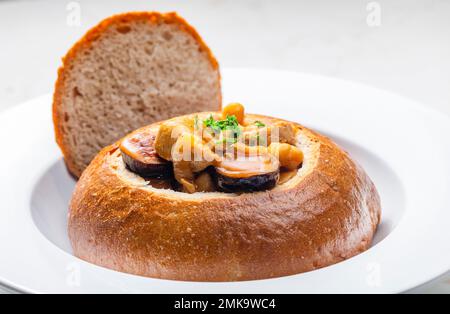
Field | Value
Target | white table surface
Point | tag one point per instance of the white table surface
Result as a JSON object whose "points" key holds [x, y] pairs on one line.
{"points": [[408, 52]]}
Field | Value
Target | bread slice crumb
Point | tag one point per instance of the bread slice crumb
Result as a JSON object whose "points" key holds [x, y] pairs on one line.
{"points": [[129, 71]]}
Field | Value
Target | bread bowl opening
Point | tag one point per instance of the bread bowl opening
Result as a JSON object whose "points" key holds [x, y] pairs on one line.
{"points": [[225, 152]]}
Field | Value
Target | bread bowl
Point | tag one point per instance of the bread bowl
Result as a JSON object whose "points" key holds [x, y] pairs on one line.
{"points": [[324, 211]]}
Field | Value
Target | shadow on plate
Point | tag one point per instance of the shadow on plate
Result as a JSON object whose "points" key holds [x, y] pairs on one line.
{"points": [[49, 204]]}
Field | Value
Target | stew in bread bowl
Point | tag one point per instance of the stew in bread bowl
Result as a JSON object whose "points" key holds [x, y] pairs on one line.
{"points": [[222, 196]]}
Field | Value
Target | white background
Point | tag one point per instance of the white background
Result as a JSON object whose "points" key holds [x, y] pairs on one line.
{"points": [[408, 53]]}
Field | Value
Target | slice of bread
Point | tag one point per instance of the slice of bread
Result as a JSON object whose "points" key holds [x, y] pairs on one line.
{"points": [[129, 71]]}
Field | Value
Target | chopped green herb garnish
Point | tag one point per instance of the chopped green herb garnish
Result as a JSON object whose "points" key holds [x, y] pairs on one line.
{"points": [[259, 124], [230, 126], [211, 123], [230, 123]]}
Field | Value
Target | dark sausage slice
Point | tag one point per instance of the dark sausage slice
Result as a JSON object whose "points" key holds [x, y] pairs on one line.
{"points": [[139, 155], [248, 173]]}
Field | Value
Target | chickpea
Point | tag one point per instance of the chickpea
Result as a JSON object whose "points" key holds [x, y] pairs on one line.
{"points": [[290, 156], [234, 109]]}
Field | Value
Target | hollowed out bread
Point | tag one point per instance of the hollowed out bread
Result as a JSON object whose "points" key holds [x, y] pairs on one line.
{"points": [[130, 70], [325, 214]]}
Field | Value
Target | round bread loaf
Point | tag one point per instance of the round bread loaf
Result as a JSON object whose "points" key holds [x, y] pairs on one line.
{"points": [[130, 70], [326, 213]]}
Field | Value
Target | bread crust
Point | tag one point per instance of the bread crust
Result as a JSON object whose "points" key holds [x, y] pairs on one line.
{"points": [[328, 215], [86, 41]]}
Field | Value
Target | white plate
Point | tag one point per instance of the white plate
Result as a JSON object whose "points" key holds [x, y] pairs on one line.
{"points": [[403, 146]]}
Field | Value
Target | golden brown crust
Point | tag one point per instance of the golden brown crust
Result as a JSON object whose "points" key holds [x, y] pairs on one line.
{"points": [[91, 36], [330, 215]]}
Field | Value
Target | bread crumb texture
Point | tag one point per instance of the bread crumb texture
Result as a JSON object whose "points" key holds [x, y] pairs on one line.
{"points": [[130, 70]]}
